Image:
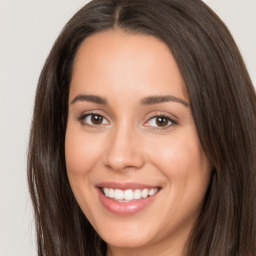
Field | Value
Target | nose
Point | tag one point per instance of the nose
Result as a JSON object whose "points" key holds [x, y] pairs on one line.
{"points": [[123, 151]]}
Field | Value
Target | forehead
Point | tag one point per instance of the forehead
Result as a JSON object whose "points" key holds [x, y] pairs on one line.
{"points": [[120, 58]]}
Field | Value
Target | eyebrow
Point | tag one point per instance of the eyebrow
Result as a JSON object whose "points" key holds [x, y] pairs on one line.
{"points": [[160, 99], [151, 100], [89, 98]]}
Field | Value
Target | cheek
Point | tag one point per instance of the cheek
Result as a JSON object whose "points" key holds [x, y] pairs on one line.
{"points": [[183, 162], [82, 152], [181, 152], [186, 168]]}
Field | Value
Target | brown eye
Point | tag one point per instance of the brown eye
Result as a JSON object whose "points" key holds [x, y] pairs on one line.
{"points": [[93, 119], [162, 121], [96, 119]]}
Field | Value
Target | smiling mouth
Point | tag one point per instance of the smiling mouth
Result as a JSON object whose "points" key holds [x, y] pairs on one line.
{"points": [[128, 195]]}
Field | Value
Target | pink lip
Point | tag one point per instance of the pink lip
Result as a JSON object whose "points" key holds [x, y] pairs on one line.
{"points": [[124, 208]]}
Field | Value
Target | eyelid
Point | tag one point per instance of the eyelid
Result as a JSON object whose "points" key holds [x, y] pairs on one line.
{"points": [[93, 112], [171, 117]]}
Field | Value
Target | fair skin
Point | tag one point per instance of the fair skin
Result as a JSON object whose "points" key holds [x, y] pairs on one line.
{"points": [[130, 127]]}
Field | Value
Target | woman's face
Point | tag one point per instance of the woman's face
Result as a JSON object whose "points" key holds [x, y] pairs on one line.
{"points": [[133, 156]]}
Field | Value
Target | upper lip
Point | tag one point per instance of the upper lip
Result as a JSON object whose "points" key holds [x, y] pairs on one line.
{"points": [[124, 186]]}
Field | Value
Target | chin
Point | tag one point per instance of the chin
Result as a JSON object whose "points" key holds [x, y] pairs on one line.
{"points": [[127, 240]]}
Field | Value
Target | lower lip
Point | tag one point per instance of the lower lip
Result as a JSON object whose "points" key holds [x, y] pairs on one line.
{"points": [[125, 208]]}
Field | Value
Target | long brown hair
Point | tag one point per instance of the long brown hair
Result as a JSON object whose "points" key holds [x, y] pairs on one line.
{"points": [[223, 104]]}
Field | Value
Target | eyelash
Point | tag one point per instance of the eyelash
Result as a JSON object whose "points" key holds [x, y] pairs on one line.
{"points": [[84, 116], [170, 120]]}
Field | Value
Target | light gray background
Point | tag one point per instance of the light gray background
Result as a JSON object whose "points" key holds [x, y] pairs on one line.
{"points": [[28, 29]]}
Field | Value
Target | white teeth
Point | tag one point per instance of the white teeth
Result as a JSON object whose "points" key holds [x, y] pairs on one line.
{"points": [[137, 194], [119, 194], [111, 193], [152, 191], [144, 193], [129, 194], [106, 192]]}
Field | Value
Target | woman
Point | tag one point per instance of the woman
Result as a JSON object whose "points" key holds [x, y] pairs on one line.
{"points": [[143, 138]]}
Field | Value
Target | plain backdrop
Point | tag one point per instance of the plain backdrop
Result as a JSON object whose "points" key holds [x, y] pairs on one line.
{"points": [[28, 29]]}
